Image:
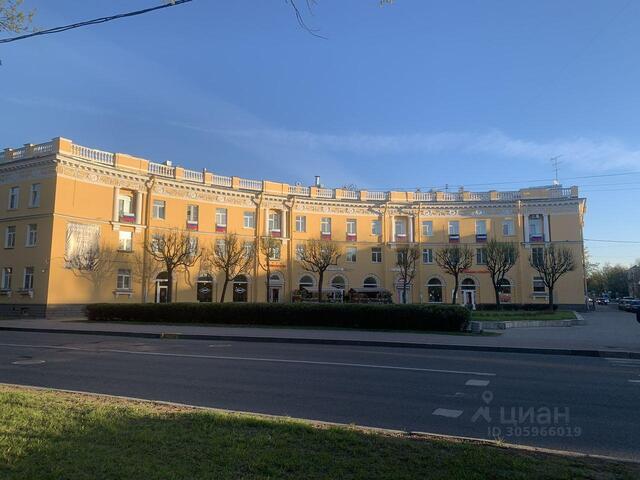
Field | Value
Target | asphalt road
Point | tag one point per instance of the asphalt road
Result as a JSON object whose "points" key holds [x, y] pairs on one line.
{"points": [[437, 391]]}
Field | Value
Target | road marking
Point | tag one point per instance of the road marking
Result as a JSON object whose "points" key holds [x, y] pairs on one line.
{"points": [[28, 362], [477, 383], [634, 381], [254, 359], [445, 412], [221, 345]]}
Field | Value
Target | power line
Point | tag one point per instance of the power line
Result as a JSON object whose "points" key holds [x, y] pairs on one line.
{"points": [[95, 21], [611, 241]]}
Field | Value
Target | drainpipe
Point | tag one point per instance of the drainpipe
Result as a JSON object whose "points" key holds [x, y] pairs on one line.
{"points": [[147, 220]]}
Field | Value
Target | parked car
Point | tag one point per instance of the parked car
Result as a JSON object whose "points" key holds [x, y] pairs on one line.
{"points": [[622, 303], [633, 306], [602, 301]]}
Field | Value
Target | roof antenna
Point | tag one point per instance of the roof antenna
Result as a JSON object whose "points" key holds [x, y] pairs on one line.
{"points": [[554, 161]]}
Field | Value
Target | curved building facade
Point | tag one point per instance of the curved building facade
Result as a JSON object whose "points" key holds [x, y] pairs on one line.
{"points": [[63, 197]]}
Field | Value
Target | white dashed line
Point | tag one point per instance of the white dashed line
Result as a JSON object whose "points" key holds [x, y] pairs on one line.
{"points": [[634, 381], [477, 383], [445, 412]]}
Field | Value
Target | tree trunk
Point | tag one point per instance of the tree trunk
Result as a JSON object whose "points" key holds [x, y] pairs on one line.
{"points": [[455, 291], [169, 285], [497, 289], [224, 289], [320, 278], [404, 291], [551, 299]]}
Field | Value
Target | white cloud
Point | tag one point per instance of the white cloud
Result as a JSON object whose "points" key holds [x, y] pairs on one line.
{"points": [[580, 153]]}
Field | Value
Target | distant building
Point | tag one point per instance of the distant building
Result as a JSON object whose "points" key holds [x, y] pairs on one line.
{"points": [[64, 201], [633, 277]]}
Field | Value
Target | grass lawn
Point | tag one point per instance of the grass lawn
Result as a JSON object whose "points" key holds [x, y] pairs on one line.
{"points": [[516, 315], [54, 435]]}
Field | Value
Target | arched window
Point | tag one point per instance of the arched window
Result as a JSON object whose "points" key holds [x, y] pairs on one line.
{"points": [[505, 286], [505, 291], [306, 281], [276, 279], [204, 288], [434, 290], [338, 282], [468, 284], [370, 282], [240, 288]]}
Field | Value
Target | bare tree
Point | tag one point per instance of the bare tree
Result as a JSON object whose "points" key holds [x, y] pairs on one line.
{"points": [[146, 268], [551, 263], [406, 260], [501, 257], [95, 264], [13, 18], [317, 256], [176, 251], [230, 257], [454, 260], [269, 250]]}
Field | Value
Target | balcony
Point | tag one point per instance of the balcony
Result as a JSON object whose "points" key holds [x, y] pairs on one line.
{"points": [[401, 238], [536, 238], [275, 233]]}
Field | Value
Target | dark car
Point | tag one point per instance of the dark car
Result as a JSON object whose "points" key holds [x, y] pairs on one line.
{"points": [[633, 306]]}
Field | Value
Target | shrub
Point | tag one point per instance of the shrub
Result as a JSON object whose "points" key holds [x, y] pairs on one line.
{"points": [[529, 307], [365, 316]]}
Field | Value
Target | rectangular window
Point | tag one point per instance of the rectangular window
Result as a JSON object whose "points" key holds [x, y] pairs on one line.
{"points": [[27, 283], [536, 229], [325, 227], [481, 256], [351, 254], [481, 227], [301, 223], [125, 206], [376, 227], [249, 220], [125, 241], [275, 251], [427, 228], [376, 255], [508, 228], [352, 229], [401, 257], [193, 246], [248, 249], [537, 256], [221, 247], [10, 237], [123, 281], [538, 285], [300, 249], [221, 219], [454, 227], [34, 195], [427, 255], [14, 197], [275, 222], [157, 243], [401, 229], [159, 209], [193, 213], [7, 272], [32, 235]]}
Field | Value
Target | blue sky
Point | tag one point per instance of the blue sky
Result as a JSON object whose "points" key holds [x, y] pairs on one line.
{"points": [[415, 94]]}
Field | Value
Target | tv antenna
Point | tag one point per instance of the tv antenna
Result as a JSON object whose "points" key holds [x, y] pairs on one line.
{"points": [[555, 162]]}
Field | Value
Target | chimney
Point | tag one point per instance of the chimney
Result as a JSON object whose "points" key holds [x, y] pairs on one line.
{"points": [[317, 182]]}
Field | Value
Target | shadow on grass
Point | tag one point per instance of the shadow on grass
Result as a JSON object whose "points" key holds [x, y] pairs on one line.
{"points": [[47, 435]]}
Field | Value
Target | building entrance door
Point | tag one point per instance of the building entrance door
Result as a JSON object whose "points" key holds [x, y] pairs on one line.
{"points": [[275, 295]]}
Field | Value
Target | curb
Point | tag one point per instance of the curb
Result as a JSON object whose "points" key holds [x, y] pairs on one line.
{"points": [[321, 423], [323, 341]]}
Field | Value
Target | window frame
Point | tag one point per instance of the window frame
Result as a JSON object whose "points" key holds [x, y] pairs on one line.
{"points": [[541, 288], [34, 201], [376, 227], [10, 232], [159, 209], [123, 280], [221, 218], [249, 219], [325, 222], [7, 276], [29, 273], [351, 254], [301, 223], [481, 256], [32, 235], [427, 232], [127, 236], [510, 230], [14, 194], [376, 252], [429, 253]]}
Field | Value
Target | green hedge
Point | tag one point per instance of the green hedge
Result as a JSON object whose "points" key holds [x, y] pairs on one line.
{"points": [[528, 307], [391, 317]]}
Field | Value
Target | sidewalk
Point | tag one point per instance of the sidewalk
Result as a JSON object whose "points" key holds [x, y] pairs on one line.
{"points": [[608, 331]]}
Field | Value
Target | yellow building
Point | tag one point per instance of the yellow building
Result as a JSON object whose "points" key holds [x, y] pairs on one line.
{"points": [[62, 197]]}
